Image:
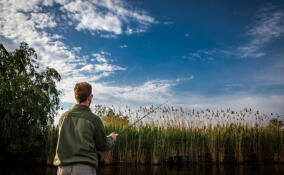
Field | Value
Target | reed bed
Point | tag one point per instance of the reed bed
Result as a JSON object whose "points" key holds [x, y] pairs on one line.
{"points": [[177, 136]]}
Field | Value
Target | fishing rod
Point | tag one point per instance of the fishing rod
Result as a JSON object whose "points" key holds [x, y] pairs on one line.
{"points": [[150, 112]]}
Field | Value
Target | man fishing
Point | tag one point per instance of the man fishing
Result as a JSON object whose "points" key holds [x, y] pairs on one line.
{"points": [[81, 136]]}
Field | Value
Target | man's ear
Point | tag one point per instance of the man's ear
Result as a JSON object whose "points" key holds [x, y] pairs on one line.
{"points": [[90, 98]]}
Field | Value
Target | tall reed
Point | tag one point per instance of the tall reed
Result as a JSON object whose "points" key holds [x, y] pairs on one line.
{"points": [[174, 136]]}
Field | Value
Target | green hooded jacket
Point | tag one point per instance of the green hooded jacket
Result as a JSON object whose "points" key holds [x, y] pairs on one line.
{"points": [[81, 135]]}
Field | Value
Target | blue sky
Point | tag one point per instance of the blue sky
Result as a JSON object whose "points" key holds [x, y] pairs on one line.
{"points": [[211, 54]]}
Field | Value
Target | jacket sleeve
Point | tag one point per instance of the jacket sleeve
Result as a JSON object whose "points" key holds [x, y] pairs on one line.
{"points": [[102, 142]]}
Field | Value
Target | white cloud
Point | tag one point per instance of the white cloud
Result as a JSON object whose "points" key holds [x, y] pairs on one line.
{"points": [[42, 20], [48, 2], [17, 26], [130, 31], [118, 8], [99, 57], [123, 46], [88, 68], [24, 6], [149, 92], [77, 49], [107, 16], [107, 68], [88, 15]]}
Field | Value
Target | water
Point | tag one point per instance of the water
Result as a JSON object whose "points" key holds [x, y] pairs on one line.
{"points": [[157, 170]]}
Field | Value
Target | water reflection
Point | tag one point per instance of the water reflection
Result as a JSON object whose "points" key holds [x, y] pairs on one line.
{"points": [[28, 170], [157, 170], [195, 170]]}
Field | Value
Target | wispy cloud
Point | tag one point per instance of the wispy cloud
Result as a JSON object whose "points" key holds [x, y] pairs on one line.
{"points": [[113, 36], [123, 46], [131, 31], [77, 49], [107, 68], [191, 77], [267, 26], [204, 55], [187, 35], [100, 57]]}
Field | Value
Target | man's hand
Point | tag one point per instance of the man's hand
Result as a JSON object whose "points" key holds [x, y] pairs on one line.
{"points": [[113, 135]]}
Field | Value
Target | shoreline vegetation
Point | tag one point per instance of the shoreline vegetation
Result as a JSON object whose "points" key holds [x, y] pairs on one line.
{"points": [[172, 137], [168, 139]]}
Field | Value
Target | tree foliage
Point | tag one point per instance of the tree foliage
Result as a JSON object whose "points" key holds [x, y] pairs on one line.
{"points": [[28, 103]]}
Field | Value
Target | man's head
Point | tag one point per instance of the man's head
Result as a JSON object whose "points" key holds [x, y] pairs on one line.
{"points": [[83, 93]]}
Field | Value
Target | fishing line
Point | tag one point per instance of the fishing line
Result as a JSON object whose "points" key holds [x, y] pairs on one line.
{"points": [[150, 112]]}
